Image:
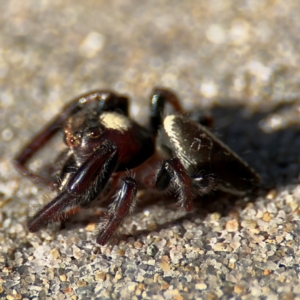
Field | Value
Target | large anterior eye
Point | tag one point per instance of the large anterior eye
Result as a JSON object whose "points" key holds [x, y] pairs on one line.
{"points": [[93, 132]]}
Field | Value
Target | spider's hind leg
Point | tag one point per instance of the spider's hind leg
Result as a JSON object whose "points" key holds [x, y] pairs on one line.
{"points": [[172, 172], [204, 182], [158, 100]]}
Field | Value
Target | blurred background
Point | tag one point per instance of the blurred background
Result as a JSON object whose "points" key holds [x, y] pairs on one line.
{"points": [[239, 60]]}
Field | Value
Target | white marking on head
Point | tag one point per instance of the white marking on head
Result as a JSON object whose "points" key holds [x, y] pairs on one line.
{"points": [[115, 121]]}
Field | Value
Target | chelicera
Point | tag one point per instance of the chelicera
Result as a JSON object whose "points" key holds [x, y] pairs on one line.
{"points": [[174, 152]]}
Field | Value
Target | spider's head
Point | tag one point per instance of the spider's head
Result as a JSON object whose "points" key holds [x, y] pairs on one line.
{"points": [[83, 133]]}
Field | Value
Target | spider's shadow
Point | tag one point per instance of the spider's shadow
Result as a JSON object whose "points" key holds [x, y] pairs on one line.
{"points": [[273, 155]]}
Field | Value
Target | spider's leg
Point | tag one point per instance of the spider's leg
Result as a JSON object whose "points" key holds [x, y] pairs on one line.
{"points": [[205, 182], [173, 172], [60, 168], [51, 212], [158, 100], [119, 209], [38, 142], [83, 187]]}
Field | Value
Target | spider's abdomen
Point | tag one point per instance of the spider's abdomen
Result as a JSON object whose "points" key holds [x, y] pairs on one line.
{"points": [[199, 150]]}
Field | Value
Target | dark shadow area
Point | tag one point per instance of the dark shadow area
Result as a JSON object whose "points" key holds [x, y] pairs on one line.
{"points": [[275, 155]]}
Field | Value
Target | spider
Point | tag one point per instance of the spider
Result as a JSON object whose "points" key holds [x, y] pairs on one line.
{"points": [[175, 153]]}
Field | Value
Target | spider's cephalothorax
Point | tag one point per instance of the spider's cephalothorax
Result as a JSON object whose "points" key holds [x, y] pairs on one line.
{"points": [[103, 142]]}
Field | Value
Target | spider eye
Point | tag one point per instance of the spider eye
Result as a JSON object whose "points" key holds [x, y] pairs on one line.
{"points": [[72, 141], [93, 132]]}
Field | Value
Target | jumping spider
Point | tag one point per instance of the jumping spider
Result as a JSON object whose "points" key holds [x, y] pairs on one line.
{"points": [[175, 152]]}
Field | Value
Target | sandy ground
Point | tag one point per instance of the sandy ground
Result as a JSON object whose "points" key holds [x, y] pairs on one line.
{"points": [[237, 59]]}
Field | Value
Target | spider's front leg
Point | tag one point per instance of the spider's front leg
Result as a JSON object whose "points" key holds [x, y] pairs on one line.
{"points": [[82, 188], [122, 205]]}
